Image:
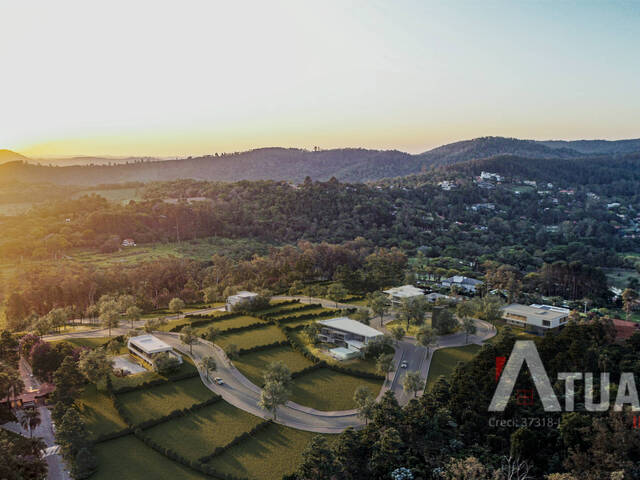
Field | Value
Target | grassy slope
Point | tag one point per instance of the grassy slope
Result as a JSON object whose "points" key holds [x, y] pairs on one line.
{"points": [[129, 458], [142, 405], [269, 455], [201, 432], [252, 338], [444, 361], [98, 412], [252, 365]]}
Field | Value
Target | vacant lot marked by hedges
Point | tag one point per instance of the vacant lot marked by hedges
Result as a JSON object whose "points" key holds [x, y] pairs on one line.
{"points": [[445, 360], [201, 432], [270, 454], [154, 402], [98, 412], [228, 323], [253, 337], [129, 458], [305, 312], [253, 365], [327, 390]]}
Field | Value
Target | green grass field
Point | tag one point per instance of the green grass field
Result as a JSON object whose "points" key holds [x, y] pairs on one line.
{"points": [[228, 323], [252, 338], [285, 313], [200, 433], [326, 390], [445, 360], [143, 405], [252, 365], [270, 454], [129, 458], [98, 412], [93, 342]]}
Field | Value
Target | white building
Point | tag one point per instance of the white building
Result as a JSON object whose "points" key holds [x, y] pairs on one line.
{"points": [[465, 283], [148, 347], [434, 297], [397, 294], [536, 318], [238, 298], [446, 185], [491, 176], [352, 336]]}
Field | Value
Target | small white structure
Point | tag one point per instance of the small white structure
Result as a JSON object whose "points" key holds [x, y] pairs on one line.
{"points": [[397, 294], [128, 242], [465, 283], [491, 176], [148, 347], [434, 297], [535, 317], [346, 333], [341, 353], [238, 298]]}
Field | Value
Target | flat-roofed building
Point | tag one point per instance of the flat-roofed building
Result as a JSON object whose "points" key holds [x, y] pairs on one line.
{"points": [[535, 318], [347, 333], [398, 294], [147, 348], [239, 298]]}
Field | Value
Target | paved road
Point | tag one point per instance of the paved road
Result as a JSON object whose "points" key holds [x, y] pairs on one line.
{"points": [[55, 463]]}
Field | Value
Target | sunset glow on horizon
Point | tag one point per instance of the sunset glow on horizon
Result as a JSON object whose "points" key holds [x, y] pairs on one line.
{"points": [[198, 77]]}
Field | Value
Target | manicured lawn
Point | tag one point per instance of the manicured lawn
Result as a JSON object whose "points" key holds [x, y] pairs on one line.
{"points": [[270, 454], [142, 405], [277, 306], [85, 342], [228, 323], [297, 323], [252, 365], [200, 433], [445, 360], [129, 458], [98, 412], [303, 312], [252, 338], [325, 389]]}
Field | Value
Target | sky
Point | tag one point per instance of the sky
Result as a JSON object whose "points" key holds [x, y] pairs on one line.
{"points": [[195, 77]]}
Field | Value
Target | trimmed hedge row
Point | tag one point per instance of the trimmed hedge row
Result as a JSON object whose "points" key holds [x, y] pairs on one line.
{"points": [[259, 348], [204, 319], [310, 316], [176, 457], [112, 436], [240, 438], [306, 306], [246, 327]]}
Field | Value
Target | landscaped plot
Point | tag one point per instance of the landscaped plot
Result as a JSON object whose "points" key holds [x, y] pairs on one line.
{"points": [[222, 325], [297, 323], [98, 412], [201, 432], [154, 402], [325, 389], [135, 380], [252, 365], [280, 306], [317, 310], [252, 338], [129, 458], [270, 454], [444, 361]]}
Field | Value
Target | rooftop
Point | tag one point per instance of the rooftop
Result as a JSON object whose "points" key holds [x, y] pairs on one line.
{"points": [[462, 280], [542, 312], [150, 344], [351, 326], [404, 291], [245, 294]]}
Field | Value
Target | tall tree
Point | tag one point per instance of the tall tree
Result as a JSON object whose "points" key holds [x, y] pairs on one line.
{"points": [[379, 304], [384, 364], [188, 337], [273, 395], [412, 383]]}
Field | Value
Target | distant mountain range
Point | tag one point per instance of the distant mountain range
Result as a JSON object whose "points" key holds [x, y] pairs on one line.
{"points": [[350, 164]]}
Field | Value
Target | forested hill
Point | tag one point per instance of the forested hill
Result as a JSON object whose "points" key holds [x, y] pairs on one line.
{"points": [[347, 165]]}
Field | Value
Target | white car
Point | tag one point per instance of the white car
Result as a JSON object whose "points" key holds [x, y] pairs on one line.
{"points": [[219, 381], [404, 364]]}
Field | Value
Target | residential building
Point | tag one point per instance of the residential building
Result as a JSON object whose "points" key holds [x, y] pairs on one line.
{"points": [[147, 348], [465, 283], [434, 297], [398, 294], [128, 242], [446, 185], [491, 176], [535, 318], [483, 206], [238, 298], [352, 336]]}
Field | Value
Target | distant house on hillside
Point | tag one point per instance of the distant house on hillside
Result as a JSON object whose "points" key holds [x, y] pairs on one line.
{"points": [[491, 176], [147, 348], [128, 242], [465, 283], [397, 294], [350, 336], [535, 318], [241, 297]]}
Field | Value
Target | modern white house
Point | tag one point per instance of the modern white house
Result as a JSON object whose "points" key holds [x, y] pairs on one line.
{"points": [[535, 318], [148, 347], [240, 297], [465, 283], [397, 294], [350, 336]]}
